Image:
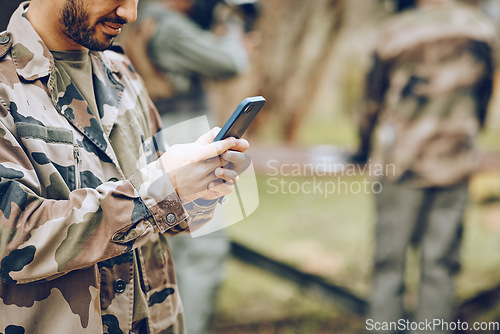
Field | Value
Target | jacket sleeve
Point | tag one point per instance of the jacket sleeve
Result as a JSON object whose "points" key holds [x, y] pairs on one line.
{"points": [[44, 238], [376, 85], [483, 89], [180, 46]]}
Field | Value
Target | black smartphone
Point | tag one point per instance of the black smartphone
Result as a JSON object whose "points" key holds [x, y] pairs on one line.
{"points": [[241, 118]]}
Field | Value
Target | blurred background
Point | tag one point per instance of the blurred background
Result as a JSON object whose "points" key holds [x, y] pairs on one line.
{"points": [[301, 263]]}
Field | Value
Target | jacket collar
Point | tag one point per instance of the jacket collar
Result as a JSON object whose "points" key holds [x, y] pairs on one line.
{"points": [[31, 56]]}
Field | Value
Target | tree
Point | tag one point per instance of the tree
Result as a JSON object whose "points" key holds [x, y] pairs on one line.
{"points": [[296, 43]]}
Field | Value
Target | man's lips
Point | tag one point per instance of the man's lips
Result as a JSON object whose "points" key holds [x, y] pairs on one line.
{"points": [[112, 28]]}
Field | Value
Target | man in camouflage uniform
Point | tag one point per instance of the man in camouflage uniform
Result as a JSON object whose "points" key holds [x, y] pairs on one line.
{"points": [[427, 92], [84, 208]]}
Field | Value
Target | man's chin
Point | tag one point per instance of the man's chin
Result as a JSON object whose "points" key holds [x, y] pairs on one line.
{"points": [[107, 44], [100, 44]]}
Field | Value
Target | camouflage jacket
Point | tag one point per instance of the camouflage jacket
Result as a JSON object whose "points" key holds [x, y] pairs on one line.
{"points": [[427, 93], [77, 219]]}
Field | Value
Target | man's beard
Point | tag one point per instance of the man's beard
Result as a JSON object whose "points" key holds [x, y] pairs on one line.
{"points": [[75, 21]]}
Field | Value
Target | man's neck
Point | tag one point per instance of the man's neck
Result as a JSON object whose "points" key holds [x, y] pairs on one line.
{"points": [[49, 29]]}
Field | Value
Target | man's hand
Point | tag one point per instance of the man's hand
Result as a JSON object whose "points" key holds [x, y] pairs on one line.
{"points": [[204, 169]]}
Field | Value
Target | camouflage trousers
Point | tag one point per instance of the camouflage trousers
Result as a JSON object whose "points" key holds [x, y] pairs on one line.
{"points": [[431, 219]]}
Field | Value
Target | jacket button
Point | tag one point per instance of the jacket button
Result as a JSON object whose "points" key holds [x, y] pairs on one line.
{"points": [[4, 39], [119, 285], [170, 218]]}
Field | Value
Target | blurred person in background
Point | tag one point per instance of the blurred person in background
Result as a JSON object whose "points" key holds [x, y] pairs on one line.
{"points": [[172, 47], [426, 98]]}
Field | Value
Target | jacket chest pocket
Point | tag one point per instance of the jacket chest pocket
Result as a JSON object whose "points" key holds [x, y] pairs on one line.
{"points": [[53, 156], [127, 138]]}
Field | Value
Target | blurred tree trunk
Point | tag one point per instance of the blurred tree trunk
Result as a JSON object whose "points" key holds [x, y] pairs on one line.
{"points": [[296, 43]]}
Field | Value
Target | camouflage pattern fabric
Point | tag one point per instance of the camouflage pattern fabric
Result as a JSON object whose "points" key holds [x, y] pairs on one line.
{"points": [[76, 213], [428, 91]]}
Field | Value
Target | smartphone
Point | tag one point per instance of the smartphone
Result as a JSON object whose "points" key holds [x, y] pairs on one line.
{"points": [[241, 118]]}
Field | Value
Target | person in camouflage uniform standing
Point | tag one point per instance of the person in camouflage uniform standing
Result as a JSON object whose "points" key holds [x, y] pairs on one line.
{"points": [[426, 98], [86, 199]]}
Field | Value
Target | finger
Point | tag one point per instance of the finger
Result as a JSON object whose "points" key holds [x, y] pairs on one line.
{"points": [[207, 171], [208, 137], [241, 145], [218, 189], [237, 158], [214, 149], [212, 163], [226, 174]]}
